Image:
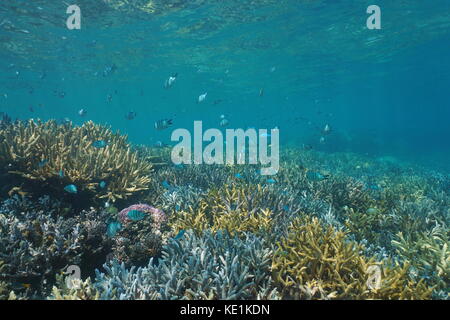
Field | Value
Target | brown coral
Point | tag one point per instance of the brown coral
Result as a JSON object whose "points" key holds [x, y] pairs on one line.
{"points": [[63, 154]]}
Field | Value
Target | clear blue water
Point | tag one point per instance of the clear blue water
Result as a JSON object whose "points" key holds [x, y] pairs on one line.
{"points": [[383, 91]]}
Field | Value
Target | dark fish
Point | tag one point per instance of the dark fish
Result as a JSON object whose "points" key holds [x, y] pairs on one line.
{"points": [[130, 115], [163, 124], [109, 70], [160, 144], [261, 92]]}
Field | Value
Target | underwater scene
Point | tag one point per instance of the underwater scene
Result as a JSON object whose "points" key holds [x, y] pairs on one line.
{"points": [[224, 150]]}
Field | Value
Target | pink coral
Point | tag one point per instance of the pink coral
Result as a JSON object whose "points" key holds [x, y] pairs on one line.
{"points": [[158, 215]]}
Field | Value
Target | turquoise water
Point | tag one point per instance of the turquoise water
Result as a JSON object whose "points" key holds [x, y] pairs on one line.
{"points": [[381, 174], [383, 91]]}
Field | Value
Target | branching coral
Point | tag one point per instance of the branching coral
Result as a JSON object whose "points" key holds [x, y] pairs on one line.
{"points": [[35, 245], [80, 290], [209, 266], [429, 255], [318, 262], [59, 155]]}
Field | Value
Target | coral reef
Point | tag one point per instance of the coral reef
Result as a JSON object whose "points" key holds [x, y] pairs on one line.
{"points": [[317, 262], [321, 229], [60, 155], [38, 241], [211, 266], [137, 241]]}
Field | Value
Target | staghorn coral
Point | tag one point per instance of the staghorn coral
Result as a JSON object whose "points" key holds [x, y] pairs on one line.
{"points": [[429, 255], [231, 208], [58, 155], [81, 290], [319, 263], [208, 266], [37, 241]]}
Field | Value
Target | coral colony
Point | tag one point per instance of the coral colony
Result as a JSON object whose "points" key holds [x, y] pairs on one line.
{"points": [[312, 232]]}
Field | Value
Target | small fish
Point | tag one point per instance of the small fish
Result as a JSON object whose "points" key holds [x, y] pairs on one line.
{"points": [[202, 97], [261, 92], [224, 122], [374, 187], [316, 176], [238, 175], [82, 112], [372, 211], [71, 188], [273, 69], [271, 181], [61, 173], [102, 184], [327, 129], [136, 215], [177, 207], [31, 108], [179, 235], [130, 115], [322, 140], [109, 70], [163, 124], [160, 144], [42, 163], [286, 208], [99, 144], [111, 209], [109, 97], [216, 102], [113, 228], [307, 147], [166, 185], [169, 82]]}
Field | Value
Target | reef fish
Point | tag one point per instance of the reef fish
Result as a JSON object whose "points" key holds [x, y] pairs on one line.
{"points": [[102, 184], [113, 228], [316, 176], [163, 124], [271, 181], [99, 144], [71, 188], [179, 235], [136, 215], [202, 97]]}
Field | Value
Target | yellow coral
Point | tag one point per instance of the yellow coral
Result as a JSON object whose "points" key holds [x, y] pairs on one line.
{"points": [[318, 262], [41, 150]]}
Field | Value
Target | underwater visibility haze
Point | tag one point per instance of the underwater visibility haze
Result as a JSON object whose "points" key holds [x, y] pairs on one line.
{"points": [[354, 96]]}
